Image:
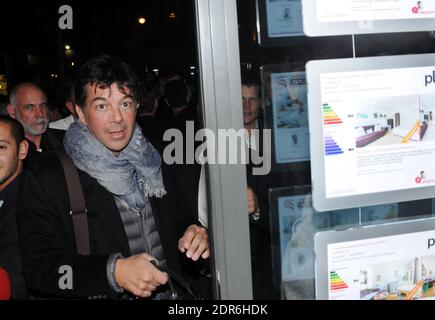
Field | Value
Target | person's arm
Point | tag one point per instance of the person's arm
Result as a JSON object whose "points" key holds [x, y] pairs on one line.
{"points": [[258, 199], [202, 198], [51, 267]]}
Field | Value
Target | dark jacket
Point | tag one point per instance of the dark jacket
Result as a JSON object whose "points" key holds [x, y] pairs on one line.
{"points": [[260, 230], [10, 259], [46, 234], [51, 140], [186, 176]]}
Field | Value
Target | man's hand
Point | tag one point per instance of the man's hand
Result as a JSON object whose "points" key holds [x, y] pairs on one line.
{"points": [[195, 242], [138, 275], [252, 202]]}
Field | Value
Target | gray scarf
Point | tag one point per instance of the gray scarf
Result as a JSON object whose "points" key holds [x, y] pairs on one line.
{"points": [[131, 174]]}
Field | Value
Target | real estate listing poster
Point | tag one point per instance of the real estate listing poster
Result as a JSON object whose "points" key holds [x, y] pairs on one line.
{"points": [[378, 130], [357, 10], [290, 117], [384, 268], [335, 17], [284, 18]]}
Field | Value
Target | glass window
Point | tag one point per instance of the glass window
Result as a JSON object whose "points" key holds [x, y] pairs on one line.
{"points": [[274, 50]]}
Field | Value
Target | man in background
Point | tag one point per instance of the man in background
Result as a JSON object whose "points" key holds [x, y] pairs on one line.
{"points": [[258, 187], [28, 104]]}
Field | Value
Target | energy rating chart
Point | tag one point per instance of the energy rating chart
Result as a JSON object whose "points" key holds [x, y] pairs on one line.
{"points": [[332, 147], [333, 124], [336, 282], [329, 115]]}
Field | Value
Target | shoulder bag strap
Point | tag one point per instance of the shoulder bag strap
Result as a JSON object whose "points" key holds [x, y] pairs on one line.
{"points": [[77, 203]]}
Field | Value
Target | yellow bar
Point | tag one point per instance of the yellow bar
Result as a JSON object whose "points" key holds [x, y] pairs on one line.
{"points": [[412, 132]]}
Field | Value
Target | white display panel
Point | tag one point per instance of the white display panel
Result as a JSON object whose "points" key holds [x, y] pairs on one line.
{"points": [[279, 22], [339, 17], [388, 262], [284, 18], [372, 129]]}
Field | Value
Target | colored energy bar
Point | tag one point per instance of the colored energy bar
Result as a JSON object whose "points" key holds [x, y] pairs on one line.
{"points": [[329, 116], [336, 283], [331, 147]]}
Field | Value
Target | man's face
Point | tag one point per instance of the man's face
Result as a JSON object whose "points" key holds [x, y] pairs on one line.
{"points": [[10, 155], [251, 104], [110, 116], [31, 110]]}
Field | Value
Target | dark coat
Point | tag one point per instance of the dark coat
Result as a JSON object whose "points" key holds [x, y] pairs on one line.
{"points": [[260, 230], [46, 234], [186, 176], [51, 140], [10, 259]]}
